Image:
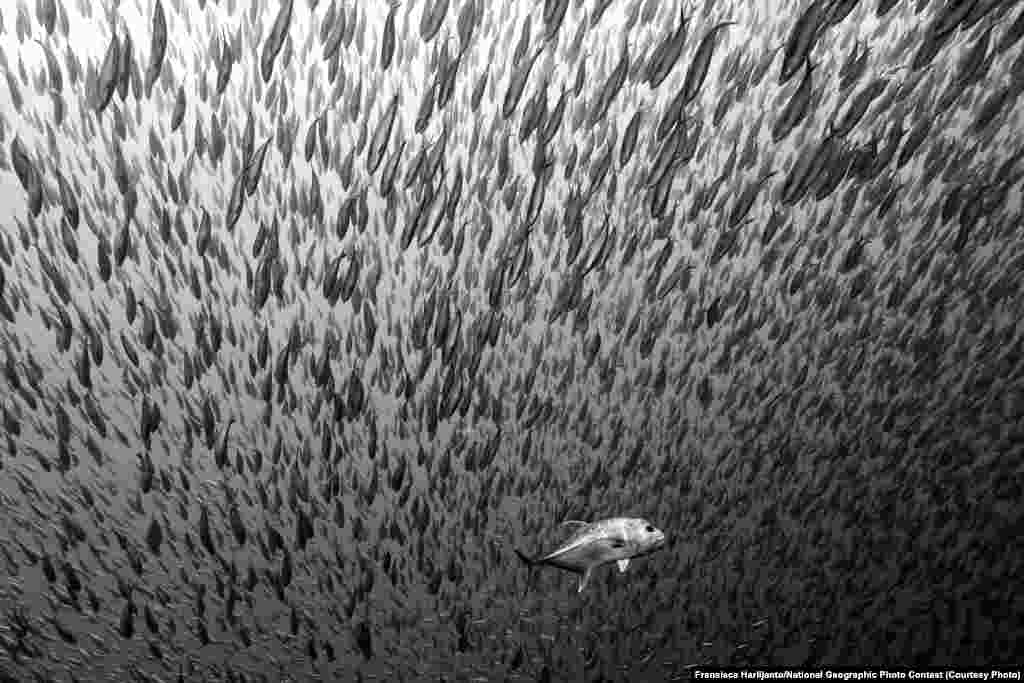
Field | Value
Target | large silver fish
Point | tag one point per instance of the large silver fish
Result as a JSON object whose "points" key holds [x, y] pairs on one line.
{"points": [[618, 539]]}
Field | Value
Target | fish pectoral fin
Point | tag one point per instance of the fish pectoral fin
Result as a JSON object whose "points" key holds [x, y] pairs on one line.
{"points": [[617, 543], [584, 579], [623, 564]]}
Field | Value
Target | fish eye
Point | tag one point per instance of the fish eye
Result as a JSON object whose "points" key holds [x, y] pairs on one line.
{"points": [[650, 529]]}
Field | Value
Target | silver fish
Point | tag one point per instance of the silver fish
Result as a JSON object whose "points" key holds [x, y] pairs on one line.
{"points": [[618, 539]]}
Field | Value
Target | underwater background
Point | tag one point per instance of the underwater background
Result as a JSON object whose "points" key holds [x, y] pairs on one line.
{"points": [[313, 312]]}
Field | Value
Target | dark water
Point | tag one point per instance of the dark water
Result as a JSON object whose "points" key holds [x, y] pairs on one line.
{"points": [[284, 385]]}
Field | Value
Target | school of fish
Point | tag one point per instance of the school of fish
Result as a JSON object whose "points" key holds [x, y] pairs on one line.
{"points": [[315, 315]]}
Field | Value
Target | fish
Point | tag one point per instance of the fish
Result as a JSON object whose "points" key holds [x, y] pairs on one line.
{"points": [[517, 83], [387, 49], [802, 38], [796, 109], [108, 77], [157, 47], [382, 134], [700, 63], [667, 53], [276, 39], [616, 539]]}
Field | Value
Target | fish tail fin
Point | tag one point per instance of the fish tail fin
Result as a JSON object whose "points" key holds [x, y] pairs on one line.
{"points": [[526, 559]]}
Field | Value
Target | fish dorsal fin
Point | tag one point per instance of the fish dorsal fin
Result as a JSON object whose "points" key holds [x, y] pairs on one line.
{"points": [[584, 579], [623, 563]]}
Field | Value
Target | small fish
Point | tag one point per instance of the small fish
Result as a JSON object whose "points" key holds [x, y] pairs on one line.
{"points": [[108, 76], [802, 39], [698, 70], [517, 83], [618, 539], [276, 40], [387, 50], [666, 54], [157, 47], [382, 133], [432, 19], [796, 109]]}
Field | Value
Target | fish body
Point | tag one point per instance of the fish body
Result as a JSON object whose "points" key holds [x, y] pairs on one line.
{"points": [[617, 539]]}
